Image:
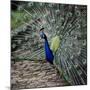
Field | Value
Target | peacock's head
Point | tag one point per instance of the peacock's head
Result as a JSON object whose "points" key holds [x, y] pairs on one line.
{"points": [[42, 34]]}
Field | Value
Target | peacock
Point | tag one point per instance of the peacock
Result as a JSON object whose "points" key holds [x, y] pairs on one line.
{"points": [[61, 29]]}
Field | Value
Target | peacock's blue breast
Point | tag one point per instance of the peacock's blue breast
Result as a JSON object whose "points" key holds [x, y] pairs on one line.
{"points": [[49, 53]]}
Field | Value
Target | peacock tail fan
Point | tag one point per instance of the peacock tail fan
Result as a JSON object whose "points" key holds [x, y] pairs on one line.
{"points": [[66, 29]]}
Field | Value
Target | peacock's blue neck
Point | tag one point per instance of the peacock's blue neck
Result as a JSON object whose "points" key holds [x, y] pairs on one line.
{"points": [[48, 52]]}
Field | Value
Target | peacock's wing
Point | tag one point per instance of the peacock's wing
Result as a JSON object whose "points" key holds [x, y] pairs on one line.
{"points": [[55, 43]]}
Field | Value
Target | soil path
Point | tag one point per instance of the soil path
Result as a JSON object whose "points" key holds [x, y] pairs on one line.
{"points": [[31, 74]]}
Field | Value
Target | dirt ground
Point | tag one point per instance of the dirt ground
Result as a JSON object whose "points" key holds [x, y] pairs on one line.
{"points": [[31, 74]]}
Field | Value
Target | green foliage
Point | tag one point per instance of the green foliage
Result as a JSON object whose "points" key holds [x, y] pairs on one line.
{"points": [[18, 18]]}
